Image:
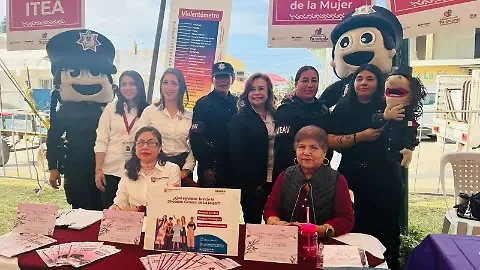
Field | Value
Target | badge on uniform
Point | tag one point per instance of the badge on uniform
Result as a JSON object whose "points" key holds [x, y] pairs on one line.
{"points": [[197, 126], [127, 150]]}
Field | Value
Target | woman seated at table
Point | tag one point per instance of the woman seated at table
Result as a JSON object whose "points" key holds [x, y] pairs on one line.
{"points": [[148, 166], [311, 184]]}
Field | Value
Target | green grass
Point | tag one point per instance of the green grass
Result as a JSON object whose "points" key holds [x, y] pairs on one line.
{"points": [[426, 211], [15, 191]]}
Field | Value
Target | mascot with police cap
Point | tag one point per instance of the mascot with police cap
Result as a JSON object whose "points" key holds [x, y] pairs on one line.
{"points": [[82, 68], [368, 35]]}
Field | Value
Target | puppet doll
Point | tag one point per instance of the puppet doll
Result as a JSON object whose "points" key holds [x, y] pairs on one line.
{"points": [[82, 68], [402, 90]]}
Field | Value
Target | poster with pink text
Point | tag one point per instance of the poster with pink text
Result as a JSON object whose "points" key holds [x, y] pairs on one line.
{"points": [[422, 17], [201, 220], [307, 23], [31, 23], [196, 39]]}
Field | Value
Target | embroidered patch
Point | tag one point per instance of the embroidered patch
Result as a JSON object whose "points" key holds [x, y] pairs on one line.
{"points": [[197, 126], [412, 123], [283, 130]]}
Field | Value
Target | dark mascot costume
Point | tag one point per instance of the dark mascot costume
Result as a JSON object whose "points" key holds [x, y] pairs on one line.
{"points": [[82, 68], [368, 35]]}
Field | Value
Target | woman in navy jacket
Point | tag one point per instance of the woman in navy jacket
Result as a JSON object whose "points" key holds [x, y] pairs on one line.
{"points": [[251, 143]]}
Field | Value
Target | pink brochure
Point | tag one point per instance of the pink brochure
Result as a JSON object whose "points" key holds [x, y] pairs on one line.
{"points": [[121, 227], [35, 218]]}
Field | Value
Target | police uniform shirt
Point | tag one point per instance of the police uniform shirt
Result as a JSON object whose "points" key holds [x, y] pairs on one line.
{"points": [[113, 138], [174, 131], [132, 193], [209, 133]]}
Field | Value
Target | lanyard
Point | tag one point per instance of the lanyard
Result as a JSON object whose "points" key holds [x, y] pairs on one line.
{"points": [[128, 127]]}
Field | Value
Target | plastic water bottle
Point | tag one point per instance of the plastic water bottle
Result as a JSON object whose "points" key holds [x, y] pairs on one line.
{"points": [[308, 240]]}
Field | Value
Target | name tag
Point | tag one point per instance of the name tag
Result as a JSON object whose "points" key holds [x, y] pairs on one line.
{"points": [[154, 179], [127, 150]]}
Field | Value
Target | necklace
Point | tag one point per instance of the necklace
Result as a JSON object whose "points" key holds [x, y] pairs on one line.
{"points": [[148, 173]]}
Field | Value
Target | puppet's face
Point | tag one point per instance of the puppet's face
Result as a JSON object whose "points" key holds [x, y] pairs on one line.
{"points": [[361, 46], [85, 85], [397, 90]]}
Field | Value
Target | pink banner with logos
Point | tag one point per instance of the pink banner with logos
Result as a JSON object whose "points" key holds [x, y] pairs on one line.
{"points": [[31, 23], [422, 17], [307, 23]]}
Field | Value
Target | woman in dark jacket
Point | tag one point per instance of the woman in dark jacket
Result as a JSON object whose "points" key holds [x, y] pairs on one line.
{"points": [[374, 178], [251, 141]]}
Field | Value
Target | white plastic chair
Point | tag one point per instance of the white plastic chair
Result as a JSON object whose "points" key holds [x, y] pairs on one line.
{"points": [[466, 179]]}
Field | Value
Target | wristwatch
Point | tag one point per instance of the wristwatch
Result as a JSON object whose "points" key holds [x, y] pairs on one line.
{"points": [[329, 232]]}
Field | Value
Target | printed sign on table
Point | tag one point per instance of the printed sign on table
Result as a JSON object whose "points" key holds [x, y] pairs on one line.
{"points": [[198, 220], [306, 23], [121, 227], [422, 17], [35, 218], [270, 243], [31, 23], [197, 38]]}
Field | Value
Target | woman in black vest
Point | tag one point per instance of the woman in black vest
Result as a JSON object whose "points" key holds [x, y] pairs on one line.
{"points": [[251, 141], [311, 184], [374, 178]]}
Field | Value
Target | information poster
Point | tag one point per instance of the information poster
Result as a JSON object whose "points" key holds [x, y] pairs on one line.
{"points": [[31, 23], [421, 17], [193, 220], [307, 23], [197, 38]]}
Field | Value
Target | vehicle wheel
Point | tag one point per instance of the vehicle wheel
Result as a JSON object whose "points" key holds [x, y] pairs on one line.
{"points": [[5, 152]]}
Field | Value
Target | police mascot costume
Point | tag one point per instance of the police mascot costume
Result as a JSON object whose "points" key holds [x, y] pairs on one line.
{"points": [[82, 68], [402, 90], [368, 35]]}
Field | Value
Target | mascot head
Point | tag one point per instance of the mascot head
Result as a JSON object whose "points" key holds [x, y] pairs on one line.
{"points": [[403, 89], [82, 66], [368, 35]]}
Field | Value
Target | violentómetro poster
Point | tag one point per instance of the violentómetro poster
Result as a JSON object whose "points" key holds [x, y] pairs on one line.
{"points": [[194, 220]]}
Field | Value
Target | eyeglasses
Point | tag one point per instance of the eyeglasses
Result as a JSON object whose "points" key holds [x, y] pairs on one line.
{"points": [[150, 144]]}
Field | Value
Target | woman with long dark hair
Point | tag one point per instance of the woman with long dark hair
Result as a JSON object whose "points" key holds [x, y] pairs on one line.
{"points": [[170, 117], [147, 166], [251, 142], [374, 178], [115, 133]]}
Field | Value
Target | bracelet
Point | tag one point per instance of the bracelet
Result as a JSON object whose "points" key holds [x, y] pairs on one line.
{"points": [[98, 170], [355, 138]]}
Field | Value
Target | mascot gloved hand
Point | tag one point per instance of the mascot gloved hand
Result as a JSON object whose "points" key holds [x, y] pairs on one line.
{"points": [[82, 68], [404, 95], [368, 35]]}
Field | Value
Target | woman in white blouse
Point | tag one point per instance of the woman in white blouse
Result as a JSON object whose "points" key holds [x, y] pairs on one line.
{"points": [[146, 169], [115, 134], [173, 121]]}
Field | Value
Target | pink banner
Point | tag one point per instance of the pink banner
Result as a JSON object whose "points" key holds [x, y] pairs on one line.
{"points": [[27, 15], [307, 12], [401, 7]]}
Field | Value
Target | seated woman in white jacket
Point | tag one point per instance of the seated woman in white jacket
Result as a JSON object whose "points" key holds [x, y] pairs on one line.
{"points": [[147, 167]]}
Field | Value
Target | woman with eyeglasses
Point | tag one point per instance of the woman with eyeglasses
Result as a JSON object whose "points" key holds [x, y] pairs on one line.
{"points": [[116, 129], [148, 166], [170, 117]]}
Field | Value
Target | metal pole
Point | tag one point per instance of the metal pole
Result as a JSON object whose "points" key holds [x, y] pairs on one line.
{"points": [[403, 59], [156, 48]]}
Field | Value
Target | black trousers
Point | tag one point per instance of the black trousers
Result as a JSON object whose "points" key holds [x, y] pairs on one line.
{"points": [[253, 202], [378, 191], [110, 190], [81, 190]]}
